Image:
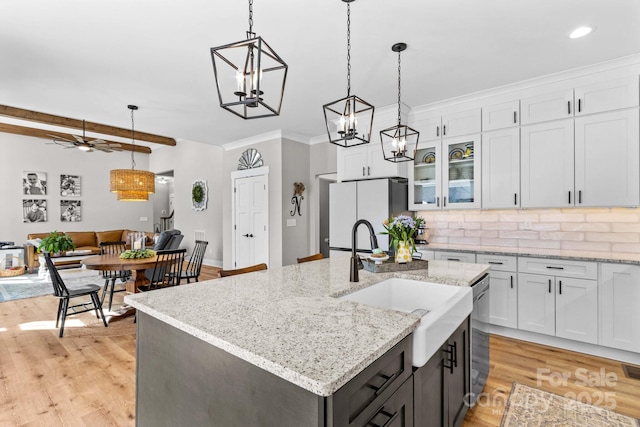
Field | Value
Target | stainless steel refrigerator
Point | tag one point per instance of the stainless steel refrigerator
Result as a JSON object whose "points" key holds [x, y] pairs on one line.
{"points": [[374, 200]]}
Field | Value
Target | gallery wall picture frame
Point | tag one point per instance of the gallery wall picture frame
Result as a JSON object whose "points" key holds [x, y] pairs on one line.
{"points": [[70, 185], [70, 210], [34, 183], [34, 210]]}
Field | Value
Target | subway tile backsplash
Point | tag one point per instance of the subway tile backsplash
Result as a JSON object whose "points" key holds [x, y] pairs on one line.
{"points": [[614, 231]]}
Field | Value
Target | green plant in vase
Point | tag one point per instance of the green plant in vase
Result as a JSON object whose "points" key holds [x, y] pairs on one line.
{"points": [[56, 243], [401, 230]]}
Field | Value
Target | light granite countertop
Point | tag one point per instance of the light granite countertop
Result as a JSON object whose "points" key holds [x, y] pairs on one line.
{"points": [[593, 256], [289, 322]]}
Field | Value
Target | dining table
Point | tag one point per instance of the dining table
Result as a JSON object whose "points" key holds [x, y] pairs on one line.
{"points": [[113, 262]]}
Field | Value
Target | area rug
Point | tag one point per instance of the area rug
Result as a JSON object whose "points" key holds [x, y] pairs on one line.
{"points": [[529, 407], [31, 285]]}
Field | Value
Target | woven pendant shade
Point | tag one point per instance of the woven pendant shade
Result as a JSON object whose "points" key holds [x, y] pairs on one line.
{"points": [[133, 196], [132, 181]]}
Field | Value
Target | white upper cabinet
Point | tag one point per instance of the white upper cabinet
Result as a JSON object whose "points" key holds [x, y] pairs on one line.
{"points": [[425, 177], [587, 99], [607, 159], [547, 163], [449, 125], [606, 96], [367, 162], [501, 169], [499, 116]]}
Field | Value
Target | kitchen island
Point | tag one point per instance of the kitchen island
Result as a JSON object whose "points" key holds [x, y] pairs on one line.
{"points": [[282, 327]]}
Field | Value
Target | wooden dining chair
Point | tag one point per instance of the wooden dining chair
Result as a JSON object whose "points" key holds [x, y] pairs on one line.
{"points": [[257, 267], [313, 257], [65, 294], [110, 277], [192, 270]]}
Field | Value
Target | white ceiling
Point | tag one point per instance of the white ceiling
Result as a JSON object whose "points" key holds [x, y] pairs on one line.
{"points": [[88, 59]]}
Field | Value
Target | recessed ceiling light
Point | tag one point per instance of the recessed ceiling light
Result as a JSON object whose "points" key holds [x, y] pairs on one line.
{"points": [[581, 32]]}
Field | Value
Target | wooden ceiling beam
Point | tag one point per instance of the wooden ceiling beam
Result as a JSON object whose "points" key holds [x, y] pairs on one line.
{"points": [[45, 134], [50, 119]]}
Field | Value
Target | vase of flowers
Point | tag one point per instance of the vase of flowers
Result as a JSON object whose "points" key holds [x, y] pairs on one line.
{"points": [[402, 230]]}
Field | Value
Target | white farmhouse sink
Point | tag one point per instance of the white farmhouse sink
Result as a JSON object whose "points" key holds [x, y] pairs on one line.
{"points": [[447, 306]]}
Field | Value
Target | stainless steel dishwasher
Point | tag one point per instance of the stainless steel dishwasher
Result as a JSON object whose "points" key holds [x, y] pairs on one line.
{"points": [[479, 338]]}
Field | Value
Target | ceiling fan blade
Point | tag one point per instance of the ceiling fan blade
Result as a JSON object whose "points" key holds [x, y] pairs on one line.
{"points": [[60, 138], [78, 138], [98, 141], [115, 148], [102, 148]]}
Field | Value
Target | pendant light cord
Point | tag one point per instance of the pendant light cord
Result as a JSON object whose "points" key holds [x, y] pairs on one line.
{"points": [[348, 49], [133, 143], [250, 33], [398, 88]]}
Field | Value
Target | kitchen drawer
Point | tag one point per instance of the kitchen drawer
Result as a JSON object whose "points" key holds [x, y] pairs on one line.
{"points": [[455, 256], [361, 397], [499, 262], [427, 255], [397, 411], [558, 267]]}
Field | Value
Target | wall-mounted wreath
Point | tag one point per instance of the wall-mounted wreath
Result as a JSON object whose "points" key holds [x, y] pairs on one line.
{"points": [[199, 195]]}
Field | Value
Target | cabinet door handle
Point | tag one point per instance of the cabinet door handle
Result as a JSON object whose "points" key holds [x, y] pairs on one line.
{"points": [[579, 105], [553, 267], [438, 201], [368, 170], [569, 107], [569, 196], [495, 262], [560, 286], [455, 354], [579, 196], [387, 383], [451, 358], [511, 277], [392, 418], [444, 130], [437, 130], [515, 199], [515, 117], [549, 285], [444, 201], [363, 171]]}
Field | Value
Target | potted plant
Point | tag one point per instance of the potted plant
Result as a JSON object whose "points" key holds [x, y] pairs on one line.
{"points": [[56, 243]]}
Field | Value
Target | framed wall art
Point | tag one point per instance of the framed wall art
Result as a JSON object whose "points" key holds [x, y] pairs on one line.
{"points": [[34, 210], [34, 183], [70, 186], [70, 210]]}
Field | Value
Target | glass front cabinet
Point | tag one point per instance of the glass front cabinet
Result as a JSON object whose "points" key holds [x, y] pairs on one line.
{"points": [[446, 174]]}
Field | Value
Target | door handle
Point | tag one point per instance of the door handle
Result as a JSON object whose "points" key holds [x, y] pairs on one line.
{"points": [[515, 199], [368, 170], [569, 196], [444, 201], [437, 130], [515, 117], [579, 196], [579, 105], [363, 171], [569, 107], [560, 286], [511, 282], [549, 285], [438, 201]]}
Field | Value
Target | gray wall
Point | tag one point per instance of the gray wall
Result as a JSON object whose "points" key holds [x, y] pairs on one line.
{"points": [[192, 161], [295, 168], [323, 160], [100, 208]]}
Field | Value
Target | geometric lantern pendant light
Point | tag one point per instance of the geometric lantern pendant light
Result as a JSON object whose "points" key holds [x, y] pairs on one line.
{"points": [[349, 120], [132, 185], [250, 76], [399, 142]]}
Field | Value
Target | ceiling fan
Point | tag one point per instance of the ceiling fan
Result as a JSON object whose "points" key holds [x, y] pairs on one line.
{"points": [[82, 143]]}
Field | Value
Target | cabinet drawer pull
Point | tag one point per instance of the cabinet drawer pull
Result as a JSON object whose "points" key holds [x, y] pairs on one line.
{"points": [[553, 267], [560, 286], [495, 262], [387, 383], [511, 277], [515, 117], [569, 107], [453, 259], [392, 418], [549, 285]]}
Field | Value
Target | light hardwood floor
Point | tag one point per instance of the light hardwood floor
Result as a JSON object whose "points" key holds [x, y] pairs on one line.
{"points": [[90, 381]]}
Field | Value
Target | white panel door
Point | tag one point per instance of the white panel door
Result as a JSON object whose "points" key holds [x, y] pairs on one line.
{"points": [[607, 159], [547, 165], [501, 169], [577, 309], [619, 292], [547, 106], [251, 232], [342, 213], [504, 299], [536, 303], [607, 96], [499, 116], [373, 205]]}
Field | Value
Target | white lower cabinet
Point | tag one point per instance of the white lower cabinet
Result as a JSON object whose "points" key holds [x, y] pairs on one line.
{"points": [[455, 256], [619, 294], [503, 295], [561, 306]]}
